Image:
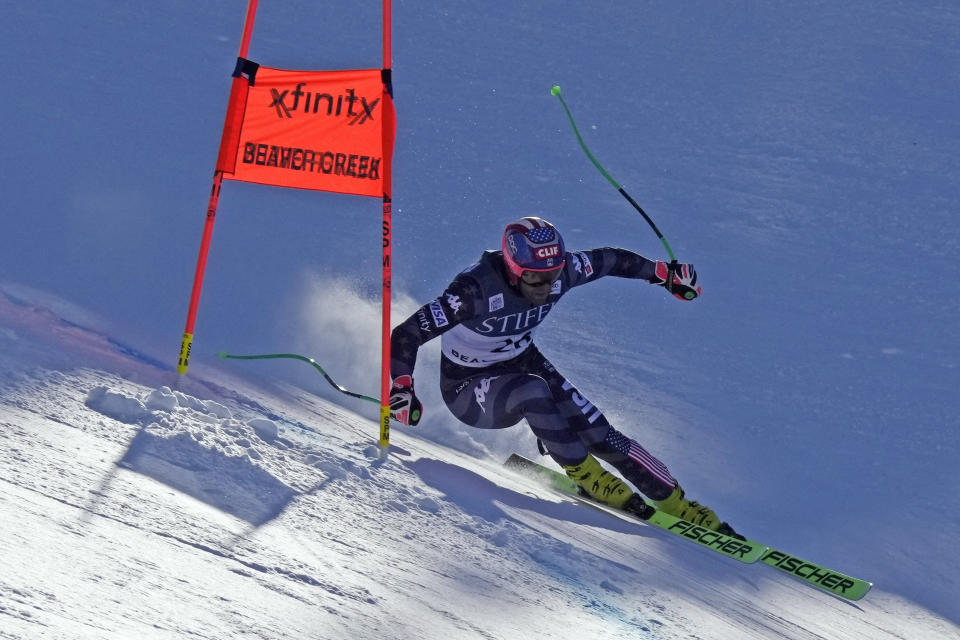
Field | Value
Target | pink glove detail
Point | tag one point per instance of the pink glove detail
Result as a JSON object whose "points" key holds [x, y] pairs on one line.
{"points": [[684, 282], [405, 408]]}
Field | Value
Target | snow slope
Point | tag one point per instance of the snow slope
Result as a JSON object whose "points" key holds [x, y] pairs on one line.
{"points": [[225, 509], [802, 155]]}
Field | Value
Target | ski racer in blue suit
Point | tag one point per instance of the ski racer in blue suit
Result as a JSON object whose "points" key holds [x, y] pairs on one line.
{"points": [[492, 375]]}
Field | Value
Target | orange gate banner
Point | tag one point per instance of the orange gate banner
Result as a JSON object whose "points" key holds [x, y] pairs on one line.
{"points": [[320, 130]]}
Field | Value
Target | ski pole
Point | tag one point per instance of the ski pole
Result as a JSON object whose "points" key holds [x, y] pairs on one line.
{"points": [[555, 90], [224, 355]]}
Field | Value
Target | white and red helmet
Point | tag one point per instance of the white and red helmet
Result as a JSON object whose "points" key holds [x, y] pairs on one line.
{"points": [[531, 244]]}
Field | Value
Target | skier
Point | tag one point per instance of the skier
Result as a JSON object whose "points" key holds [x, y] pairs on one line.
{"points": [[492, 375]]}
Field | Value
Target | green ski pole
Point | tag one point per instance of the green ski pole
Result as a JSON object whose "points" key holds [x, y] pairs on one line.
{"points": [[224, 355], [555, 91]]}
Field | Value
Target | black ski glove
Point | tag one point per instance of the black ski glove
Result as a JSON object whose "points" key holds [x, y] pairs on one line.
{"points": [[682, 284], [405, 408]]}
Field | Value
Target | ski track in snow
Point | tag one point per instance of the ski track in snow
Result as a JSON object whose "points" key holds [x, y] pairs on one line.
{"points": [[803, 156], [230, 510]]}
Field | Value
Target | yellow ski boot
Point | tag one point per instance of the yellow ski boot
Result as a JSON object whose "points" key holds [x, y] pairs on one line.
{"points": [[677, 505], [598, 483]]}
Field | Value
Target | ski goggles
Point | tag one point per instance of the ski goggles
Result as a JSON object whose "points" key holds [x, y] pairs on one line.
{"points": [[540, 277]]}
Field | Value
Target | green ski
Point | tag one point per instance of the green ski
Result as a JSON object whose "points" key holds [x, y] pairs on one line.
{"points": [[816, 575], [748, 551]]}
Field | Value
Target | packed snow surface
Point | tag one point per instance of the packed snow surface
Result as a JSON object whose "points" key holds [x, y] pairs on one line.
{"points": [[131, 509], [802, 155]]}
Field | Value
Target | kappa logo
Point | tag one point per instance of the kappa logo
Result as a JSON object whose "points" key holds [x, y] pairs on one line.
{"points": [[481, 390], [344, 105], [439, 317], [454, 302], [496, 302]]}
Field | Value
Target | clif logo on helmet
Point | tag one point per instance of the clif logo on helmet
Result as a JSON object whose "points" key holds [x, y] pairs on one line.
{"points": [[547, 252], [531, 244]]}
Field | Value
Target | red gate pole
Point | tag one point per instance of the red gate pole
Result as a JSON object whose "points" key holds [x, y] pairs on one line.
{"points": [[230, 132], [388, 133]]}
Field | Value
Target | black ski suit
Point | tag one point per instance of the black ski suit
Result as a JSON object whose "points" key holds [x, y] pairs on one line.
{"points": [[492, 374]]}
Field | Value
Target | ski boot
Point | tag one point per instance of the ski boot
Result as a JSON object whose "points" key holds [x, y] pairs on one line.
{"points": [[598, 483], [639, 507], [677, 505]]}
